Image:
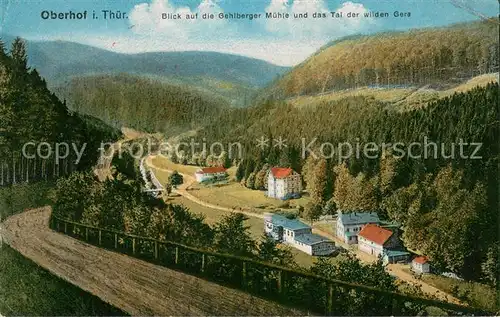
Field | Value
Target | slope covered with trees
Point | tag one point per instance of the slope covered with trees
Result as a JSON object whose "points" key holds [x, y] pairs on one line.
{"points": [[142, 104], [426, 188], [435, 56], [29, 115]]}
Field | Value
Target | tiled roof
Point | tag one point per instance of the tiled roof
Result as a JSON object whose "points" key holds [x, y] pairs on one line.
{"points": [[290, 224], [375, 234], [280, 172], [355, 217], [310, 238], [211, 170], [420, 259]]}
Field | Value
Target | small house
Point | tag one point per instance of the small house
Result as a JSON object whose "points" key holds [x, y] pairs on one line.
{"points": [[210, 174], [283, 183], [297, 234], [395, 256], [349, 224], [314, 244], [283, 229], [376, 240], [420, 264]]}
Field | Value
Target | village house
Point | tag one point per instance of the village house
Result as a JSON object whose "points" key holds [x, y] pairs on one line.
{"points": [[395, 256], [349, 224], [283, 183], [377, 241], [297, 234], [420, 264], [210, 174]]}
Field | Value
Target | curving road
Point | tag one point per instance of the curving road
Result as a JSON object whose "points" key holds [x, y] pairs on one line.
{"points": [[137, 287], [396, 270]]}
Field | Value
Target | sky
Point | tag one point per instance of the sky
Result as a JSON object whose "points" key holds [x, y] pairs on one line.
{"points": [[280, 41]]}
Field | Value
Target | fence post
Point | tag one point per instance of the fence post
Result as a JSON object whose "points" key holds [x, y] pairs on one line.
{"points": [[100, 236], [65, 228], [283, 283], [202, 262], [330, 299], [280, 286], [133, 245], [57, 225], [395, 307], [156, 250], [244, 275], [86, 234], [116, 241], [176, 255]]}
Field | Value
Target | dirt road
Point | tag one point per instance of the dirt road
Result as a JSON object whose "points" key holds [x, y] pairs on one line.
{"points": [[137, 287], [393, 269]]}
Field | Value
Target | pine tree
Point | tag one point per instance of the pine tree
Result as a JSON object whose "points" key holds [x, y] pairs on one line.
{"points": [[19, 54], [250, 181]]}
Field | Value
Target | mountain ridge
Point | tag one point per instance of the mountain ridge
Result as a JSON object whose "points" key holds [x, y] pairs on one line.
{"points": [[60, 60]]}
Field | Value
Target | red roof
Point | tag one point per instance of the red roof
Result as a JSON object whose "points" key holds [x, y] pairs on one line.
{"points": [[375, 233], [211, 170], [420, 259], [281, 172]]}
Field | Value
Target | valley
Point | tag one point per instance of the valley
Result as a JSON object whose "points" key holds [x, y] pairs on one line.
{"points": [[274, 227]]}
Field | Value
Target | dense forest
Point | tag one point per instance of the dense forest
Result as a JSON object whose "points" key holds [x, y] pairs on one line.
{"points": [[31, 115], [143, 104], [436, 56], [439, 187]]}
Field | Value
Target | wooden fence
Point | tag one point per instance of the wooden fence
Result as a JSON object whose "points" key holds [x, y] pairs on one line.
{"points": [[290, 287]]}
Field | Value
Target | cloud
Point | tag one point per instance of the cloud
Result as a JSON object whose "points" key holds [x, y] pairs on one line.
{"points": [[148, 18], [319, 28]]}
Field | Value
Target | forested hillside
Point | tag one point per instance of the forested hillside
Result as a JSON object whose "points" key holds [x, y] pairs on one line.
{"points": [[446, 200], [142, 104], [436, 57], [30, 113]]}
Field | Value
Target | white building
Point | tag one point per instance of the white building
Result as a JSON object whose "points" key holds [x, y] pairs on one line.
{"points": [[210, 173], [420, 264], [314, 244], [350, 224], [376, 240], [283, 183], [297, 234]]}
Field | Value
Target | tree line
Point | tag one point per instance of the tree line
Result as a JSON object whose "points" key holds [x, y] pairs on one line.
{"points": [[142, 103], [29, 112]]}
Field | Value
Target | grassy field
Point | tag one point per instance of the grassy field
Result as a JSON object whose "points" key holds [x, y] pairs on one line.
{"points": [[256, 225], [27, 289], [473, 293], [232, 195], [401, 99], [16, 198]]}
